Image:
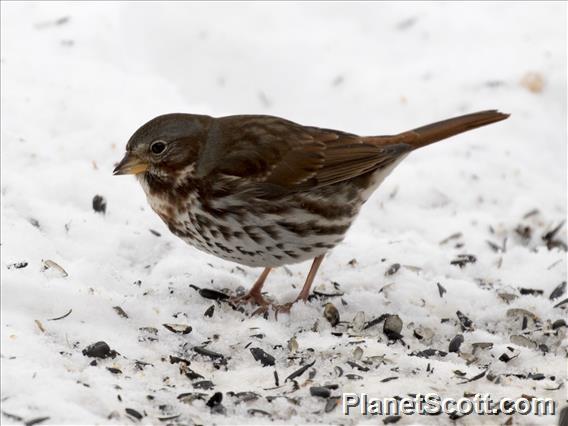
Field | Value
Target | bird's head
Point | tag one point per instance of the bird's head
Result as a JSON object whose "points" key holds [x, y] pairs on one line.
{"points": [[164, 145]]}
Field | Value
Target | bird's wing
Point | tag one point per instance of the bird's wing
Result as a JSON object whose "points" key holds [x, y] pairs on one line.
{"points": [[277, 156]]}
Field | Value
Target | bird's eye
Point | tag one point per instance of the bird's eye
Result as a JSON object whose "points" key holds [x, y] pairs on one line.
{"points": [[157, 147]]}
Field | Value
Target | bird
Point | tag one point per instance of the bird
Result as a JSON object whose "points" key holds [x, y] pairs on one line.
{"points": [[263, 191]]}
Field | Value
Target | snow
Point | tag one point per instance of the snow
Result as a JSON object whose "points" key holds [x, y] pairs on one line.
{"points": [[73, 91]]}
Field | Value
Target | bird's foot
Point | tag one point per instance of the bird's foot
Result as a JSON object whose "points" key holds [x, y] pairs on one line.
{"points": [[276, 308], [250, 297]]}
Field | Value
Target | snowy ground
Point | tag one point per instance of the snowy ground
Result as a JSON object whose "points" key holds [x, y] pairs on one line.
{"points": [[78, 79]]}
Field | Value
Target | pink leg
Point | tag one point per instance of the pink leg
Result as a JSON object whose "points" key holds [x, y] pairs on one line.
{"points": [[305, 292], [310, 279], [254, 294]]}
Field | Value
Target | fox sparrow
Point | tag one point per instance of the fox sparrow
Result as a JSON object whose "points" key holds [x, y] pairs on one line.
{"points": [[263, 191]]}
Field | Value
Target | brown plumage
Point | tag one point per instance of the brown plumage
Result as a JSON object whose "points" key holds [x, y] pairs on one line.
{"points": [[264, 191]]}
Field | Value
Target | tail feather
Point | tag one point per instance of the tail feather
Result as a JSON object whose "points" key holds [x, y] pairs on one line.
{"points": [[435, 132]]}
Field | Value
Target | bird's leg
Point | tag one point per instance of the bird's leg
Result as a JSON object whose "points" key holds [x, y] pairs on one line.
{"points": [[254, 294], [305, 292]]}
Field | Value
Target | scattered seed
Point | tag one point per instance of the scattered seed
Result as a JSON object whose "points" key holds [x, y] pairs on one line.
{"points": [[451, 237], [393, 327], [114, 370], [168, 418], [523, 341], [244, 396], [50, 264], [255, 411], [354, 377], [99, 350], [481, 346], [495, 247], [17, 265], [215, 400], [464, 259], [209, 293], [549, 236], [204, 384], [189, 397], [148, 334], [209, 312], [156, 233], [140, 365], [531, 291], [331, 404], [393, 269], [357, 353], [40, 325], [61, 317], [558, 291], [264, 358], [300, 371], [120, 311], [525, 232], [338, 371], [536, 376], [36, 421], [507, 297], [474, 378], [357, 366], [320, 391], [324, 295], [391, 419], [423, 333], [12, 416], [375, 321], [177, 360], [293, 344], [427, 353], [441, 289], [331, 313], [206, 352], [34, 222], [358, 322], [189, 373], [388, 379], [132, 412], [456, 343], [178, 328], [519, 312], [99, 204], [465, 322]]}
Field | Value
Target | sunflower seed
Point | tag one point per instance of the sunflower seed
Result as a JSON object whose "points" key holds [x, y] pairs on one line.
{"points": [[456, 343], [99, 350], [178, 328], [264, 358], [51, 265], [331, 313]]}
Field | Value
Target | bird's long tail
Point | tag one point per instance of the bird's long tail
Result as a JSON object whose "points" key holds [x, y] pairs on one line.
{"points": [[435, 132]]}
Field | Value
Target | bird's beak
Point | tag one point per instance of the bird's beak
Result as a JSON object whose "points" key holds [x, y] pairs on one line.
{"points": [[130, 165]]}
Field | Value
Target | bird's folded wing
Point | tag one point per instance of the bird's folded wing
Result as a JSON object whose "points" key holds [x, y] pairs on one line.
{"points": [[275, 156]]}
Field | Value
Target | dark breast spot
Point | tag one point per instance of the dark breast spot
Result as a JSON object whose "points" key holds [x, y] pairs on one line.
{"points": [[251, 231], [291, 254], [222, 247]]}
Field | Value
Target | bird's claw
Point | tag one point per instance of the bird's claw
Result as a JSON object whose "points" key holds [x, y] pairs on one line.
{"points": [[252, 298], [277, 308]]}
